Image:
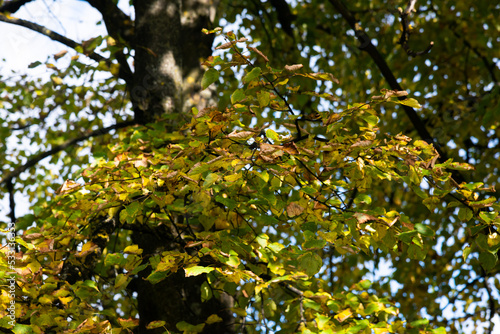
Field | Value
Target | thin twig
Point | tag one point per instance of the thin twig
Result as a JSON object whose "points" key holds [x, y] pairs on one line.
{"points": [[50, 34], [405, 34], [379, 60], [58, 148]]}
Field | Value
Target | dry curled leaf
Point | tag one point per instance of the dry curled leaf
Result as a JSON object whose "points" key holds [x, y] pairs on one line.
{"points": [[294, 67]]}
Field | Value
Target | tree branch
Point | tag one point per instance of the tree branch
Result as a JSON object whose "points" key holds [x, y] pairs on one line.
{"points": [[58, 38], [121, 28], [13, 6], [118, 24], [405, 34], [12, 202], [368, 46], [58, 148], [49, 33]]}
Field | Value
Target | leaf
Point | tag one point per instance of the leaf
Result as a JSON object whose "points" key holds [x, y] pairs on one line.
{"points": [[156, 324], [487, 260], [241, 135], [34, 64], [365, 284], [460, 166], [410, 102], [60, 54], [188, 328], [293, 68], [237, 96], [259, 53], [344, 315], [271, 134], [22, 329], [263, 97], [56, 80], [213, 318], [209, 77], [466, 252], [294, 209], [465, 214], [197, 270], [210, 179], [132, 249], [206, 291], [419, 323], [424, 230], [310, 263], [252, 75], [128, 323], [320, 76]]}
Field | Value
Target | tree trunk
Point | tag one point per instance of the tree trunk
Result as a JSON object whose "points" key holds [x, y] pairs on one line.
{"points": [[168, 47]]}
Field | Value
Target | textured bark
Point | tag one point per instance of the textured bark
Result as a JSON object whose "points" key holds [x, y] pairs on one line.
{"points": [[168, 46], [177, 298]]}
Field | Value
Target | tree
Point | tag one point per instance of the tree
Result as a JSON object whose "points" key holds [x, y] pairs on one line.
{"points": [[255, 193]]}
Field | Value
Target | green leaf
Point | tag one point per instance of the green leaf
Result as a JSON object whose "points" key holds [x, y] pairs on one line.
{"points": [[466, 252], [310, 263], [206, 291], [210, 179], [158, 276], [419, 323], [406, 236], [365, 284], [237, 96], [465, 214], [254, 73], [156, 324], [188, 328], [209, 77], [264, 98], [22, 329], [271, 134], [410, 102], [424, 230], [197, 270], [34, 64], [487, 260]]}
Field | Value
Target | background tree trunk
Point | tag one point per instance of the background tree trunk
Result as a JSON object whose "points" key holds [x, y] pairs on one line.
{"points": [[168, 47]]}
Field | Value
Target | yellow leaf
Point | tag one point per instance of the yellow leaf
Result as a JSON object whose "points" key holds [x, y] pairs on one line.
{"points": [[133, 249], [342, 316], [57, 80]]}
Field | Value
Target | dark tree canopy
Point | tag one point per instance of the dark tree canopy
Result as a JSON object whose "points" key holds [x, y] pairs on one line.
{"points": [[325, 167]]}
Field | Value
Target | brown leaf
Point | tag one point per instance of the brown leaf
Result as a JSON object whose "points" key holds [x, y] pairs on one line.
{"points": [[225, 45], [363, 217], [32, 236], [332, 118], [293, 209], [68, 186], [408, 225], [290, 148], [362, 143], [240, 135], [294, 67], [259, 53], [60, 54]]}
